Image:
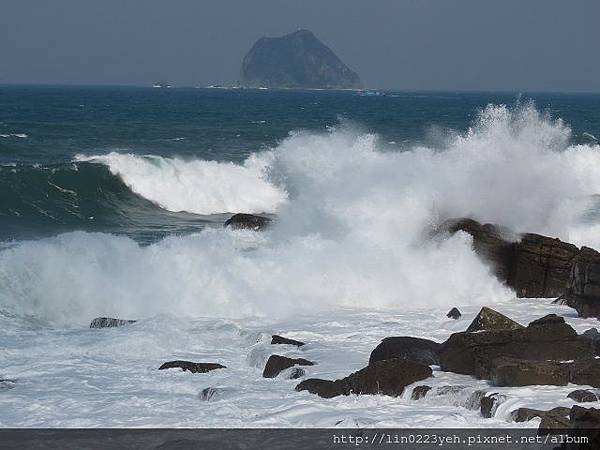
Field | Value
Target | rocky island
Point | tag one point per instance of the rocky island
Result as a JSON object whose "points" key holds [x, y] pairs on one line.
{"points": [[297, 60]]}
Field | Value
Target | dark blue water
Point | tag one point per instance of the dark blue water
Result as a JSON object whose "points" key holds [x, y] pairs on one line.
{"points": [[43, 192]]}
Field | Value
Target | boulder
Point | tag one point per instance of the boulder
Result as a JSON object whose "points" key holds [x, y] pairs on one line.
{"points": [[276, 339], [549, 338], [276, 364], [583, 290], [506, 371], [489, 404], [422, 351], [191, 366], [593, 336], [585, 371], [584, 396], [585, 418], [387, 377], [532, 264], [454, 313], [247, 222], [420, 391], [109, 322], [556, 418], [488, 319]]}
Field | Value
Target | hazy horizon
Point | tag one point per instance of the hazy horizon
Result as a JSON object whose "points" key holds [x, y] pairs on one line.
{"points": [[410, 45]]}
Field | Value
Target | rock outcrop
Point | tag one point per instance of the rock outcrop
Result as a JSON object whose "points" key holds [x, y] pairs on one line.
{"points": [[276, 364], [583, 290], [454, 313], [109, 322], [507, 371], [418, 350], [387, 377], [584, 395], [296, 60], [489, 319], [191, 366], [276, 339], [247, 222]]}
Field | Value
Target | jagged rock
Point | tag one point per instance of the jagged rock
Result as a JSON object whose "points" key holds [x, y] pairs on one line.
{"points": [[488, 319], [556, 418], [296, 60], [584, 395], [454, 313], [248, 222], [191, 366], [507, 371], [276, 364], [534, 265], [583, 290], [489, 404], [109, 322], [422, 351], [388, 377], [420, 391], [549, 338], [585, 371], [276, 339]]}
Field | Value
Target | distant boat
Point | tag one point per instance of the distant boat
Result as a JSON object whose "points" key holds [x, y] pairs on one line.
{"points": [[161, 84]]}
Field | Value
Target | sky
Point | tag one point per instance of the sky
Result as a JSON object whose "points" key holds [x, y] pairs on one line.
{"points": [[511, 45]]}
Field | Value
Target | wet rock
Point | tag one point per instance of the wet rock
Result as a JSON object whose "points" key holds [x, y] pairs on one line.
{"points": [[555, 419], [247, 222], [507, 371], [583, 290], [584, 418], [388, 377], [489, 404], [532, 264], [276, 339], [109, 322], [488, 319], [295, 373], [584, 395], [422, 351], [276, 364], [547, 339], [593, 336], [585, 371], [454, 313], [420, 391], [191, 366], [212, 394]]}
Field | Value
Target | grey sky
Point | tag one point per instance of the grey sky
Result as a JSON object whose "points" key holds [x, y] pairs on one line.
{"points": [[516, 45]]}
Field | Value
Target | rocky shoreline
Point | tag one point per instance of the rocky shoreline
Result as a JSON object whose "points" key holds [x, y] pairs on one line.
{"points": [[495, 348]]}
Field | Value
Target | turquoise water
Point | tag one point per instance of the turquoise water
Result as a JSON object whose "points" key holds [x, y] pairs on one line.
{"points": [[45, 190]]}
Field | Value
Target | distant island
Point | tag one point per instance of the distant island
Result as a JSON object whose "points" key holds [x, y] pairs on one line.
{"points": [[296, 60]]}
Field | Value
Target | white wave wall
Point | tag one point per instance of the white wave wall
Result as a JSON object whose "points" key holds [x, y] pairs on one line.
{"points": [[349, 231]]}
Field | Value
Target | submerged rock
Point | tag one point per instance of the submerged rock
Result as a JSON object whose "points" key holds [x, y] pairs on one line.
{"points": [[211, 394], [248, 222], [488, 319], [584, 395], [276, 339], [387, 377], [276, 364], [489, 404], [546, 339], [6, 384], [295, 373], [109, 322], [422, 351], [420, 391], [191, 366], [454, 313]]}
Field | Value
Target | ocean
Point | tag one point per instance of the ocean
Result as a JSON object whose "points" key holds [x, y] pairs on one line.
{"points": [[112, 203]]}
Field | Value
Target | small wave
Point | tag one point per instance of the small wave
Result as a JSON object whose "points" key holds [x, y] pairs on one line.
{"points": [[17, 135], [197, 186]]}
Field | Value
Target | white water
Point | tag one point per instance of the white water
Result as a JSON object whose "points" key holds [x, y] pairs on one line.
{"points": [[350, 234]]}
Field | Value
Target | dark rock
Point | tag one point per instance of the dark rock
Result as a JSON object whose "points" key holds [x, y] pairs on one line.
{"points": [[454, 313], [555, 419], [6, 384], [546, 340], [276, 364], [489, 404], [276, 339], [593, 337], [488, 319], [585, 418], [248, 222], [534, 266], [583, 290], [422, 351], [420, 391], [109, 322], [211, 394], [583, 396], [191, 366], [585, 371], [507, 371], [388, 377], [296, 373], [296, 60]]}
